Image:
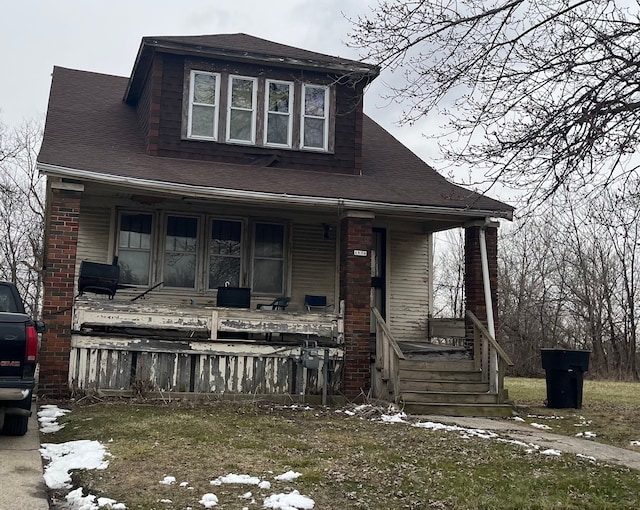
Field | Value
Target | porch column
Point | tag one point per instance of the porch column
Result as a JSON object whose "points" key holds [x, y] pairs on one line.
{"points": [[356, 238], [63, 209], [473, 282]]}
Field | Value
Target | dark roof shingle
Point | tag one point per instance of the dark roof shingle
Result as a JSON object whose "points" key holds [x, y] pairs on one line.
{"points": [[90, 128]]}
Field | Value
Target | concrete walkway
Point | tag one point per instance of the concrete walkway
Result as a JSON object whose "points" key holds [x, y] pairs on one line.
{"points": [[566, 444], [22, 485]]}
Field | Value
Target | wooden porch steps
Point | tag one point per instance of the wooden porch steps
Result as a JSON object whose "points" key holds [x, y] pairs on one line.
{"points": [[449, 388]]}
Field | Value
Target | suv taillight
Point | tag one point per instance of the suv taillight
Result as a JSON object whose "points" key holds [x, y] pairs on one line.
{"points": [[31, 349]]}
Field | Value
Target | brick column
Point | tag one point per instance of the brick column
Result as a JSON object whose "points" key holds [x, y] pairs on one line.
{"points": [[473, 282], [355, 289], [63, 209]]}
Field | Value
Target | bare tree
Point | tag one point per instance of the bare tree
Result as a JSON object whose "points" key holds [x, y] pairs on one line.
{"points": [[448, 288], [542, 94], [22, 212]]}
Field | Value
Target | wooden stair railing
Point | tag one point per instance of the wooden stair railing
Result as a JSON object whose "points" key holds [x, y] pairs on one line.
{"points": [[490, 357], [388, 356]]}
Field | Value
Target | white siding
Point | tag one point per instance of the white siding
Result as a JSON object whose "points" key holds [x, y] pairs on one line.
{"points": [[313, 264], [94, 233], [408, 292]]}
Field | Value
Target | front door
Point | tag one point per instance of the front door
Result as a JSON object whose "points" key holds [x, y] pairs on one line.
{"points": [[378, 272]]}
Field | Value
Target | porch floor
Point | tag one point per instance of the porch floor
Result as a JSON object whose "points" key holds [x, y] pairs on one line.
{"points": [[429, 350]]}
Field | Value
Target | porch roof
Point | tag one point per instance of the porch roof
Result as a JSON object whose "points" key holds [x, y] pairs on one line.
{"points": [[91, 134]]}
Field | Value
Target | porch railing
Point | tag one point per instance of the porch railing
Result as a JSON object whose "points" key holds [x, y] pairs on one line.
{"points": [[388, 356], [490, 358], [196, 321]]}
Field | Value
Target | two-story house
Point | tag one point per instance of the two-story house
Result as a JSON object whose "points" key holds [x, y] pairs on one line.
{"points": [[225, 173]]}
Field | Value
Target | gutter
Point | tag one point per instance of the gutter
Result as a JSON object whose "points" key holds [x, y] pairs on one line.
{"points": [[205, 192]]}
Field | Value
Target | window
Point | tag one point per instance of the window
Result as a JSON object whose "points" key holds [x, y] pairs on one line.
{"points": [[278, 118], [184, 254], [241, 115], [134, 248], [315, 117], [180, 255], [203, 105], [225, 249], [268, 258]]}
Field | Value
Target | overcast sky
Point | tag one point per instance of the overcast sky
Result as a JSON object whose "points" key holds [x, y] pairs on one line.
{"points": [[104, 35]]}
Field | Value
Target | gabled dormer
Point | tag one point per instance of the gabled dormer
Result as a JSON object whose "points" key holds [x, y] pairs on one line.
{"points": [[235, 98]]}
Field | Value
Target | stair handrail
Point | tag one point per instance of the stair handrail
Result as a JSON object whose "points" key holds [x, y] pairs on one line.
{"points": [[388, 356], [489, 337], [492, 362]]}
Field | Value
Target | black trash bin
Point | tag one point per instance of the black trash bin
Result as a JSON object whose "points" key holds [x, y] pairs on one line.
{"points": [[564, 370]]}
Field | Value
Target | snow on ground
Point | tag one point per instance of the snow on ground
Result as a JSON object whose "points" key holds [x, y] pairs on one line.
{"points": [[587, 434], [540, 426], [64, 457], [292, 501], [48, 418], [635, 443]]}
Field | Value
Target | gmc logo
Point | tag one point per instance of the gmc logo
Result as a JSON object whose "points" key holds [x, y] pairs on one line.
{"points": [[13, 364]]}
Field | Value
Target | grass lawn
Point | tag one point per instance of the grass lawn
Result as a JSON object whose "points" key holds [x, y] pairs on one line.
{"points": [[610, 409], [346, 462]]}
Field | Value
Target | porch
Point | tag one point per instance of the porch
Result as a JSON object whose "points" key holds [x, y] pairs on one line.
{"points": [[123, 347]]}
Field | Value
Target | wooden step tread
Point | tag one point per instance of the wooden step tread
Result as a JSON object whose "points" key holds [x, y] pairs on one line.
{"points": [[449, 397]]}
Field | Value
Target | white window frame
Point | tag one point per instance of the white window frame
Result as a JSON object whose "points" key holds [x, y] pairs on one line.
{"points": [[292, 103], [283, 282], [325, 117], [152, 241], [215, 106], [162, 246], [209, 240], [253, 110]]}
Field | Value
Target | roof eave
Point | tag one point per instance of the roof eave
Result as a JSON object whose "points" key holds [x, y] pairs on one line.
{"points": [[262, 197]]}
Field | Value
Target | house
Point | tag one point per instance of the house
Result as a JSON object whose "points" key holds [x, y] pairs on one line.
{"points": [[228, 171]]}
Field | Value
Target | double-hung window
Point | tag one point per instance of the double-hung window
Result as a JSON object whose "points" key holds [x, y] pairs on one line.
{"points": [[225, 253], [241, 113], [268, 258], [204, 95], [315, 117], [278, 113], [180, 252], [134, 248]]}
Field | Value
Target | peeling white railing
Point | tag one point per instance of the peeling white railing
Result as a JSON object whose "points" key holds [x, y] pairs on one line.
{"points": [[388, 356]]}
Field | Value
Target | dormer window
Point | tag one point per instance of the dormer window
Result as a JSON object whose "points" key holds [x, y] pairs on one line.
{"points": [[278, 114], [315, 117], [241, 116], [204, 93], [258, 111]]}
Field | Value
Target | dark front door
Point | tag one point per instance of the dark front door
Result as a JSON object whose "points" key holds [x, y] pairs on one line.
{"points": [[378, 271]]}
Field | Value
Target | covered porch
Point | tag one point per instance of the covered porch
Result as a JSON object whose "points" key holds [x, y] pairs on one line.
{"points": [[119, 347]]}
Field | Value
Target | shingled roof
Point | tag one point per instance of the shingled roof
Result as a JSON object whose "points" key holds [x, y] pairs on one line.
{"points": [[239, 48], [91, 133]]}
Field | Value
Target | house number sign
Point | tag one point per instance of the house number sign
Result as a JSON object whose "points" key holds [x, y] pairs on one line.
{"points": [[360, 253]]}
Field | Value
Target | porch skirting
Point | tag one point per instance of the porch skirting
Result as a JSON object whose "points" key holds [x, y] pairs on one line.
{"points": [[220, 367]]}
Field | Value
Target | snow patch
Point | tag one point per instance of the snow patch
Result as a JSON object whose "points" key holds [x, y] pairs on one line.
{"points": [[288, 476], [540, 426], [209, 500], [292, 501], [65, 457], [237, 479], [48, 418]]}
